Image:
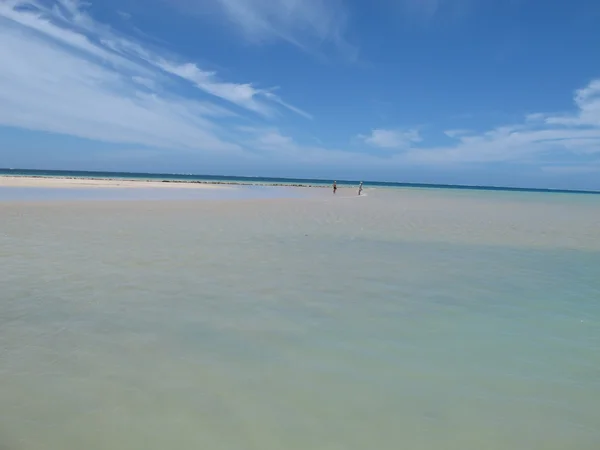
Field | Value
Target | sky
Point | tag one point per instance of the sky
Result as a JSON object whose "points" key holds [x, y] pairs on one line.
{"points": [[476, 92]]}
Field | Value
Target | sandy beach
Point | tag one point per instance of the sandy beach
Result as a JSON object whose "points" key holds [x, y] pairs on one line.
{"points": [[91, 181], [56, 182]]}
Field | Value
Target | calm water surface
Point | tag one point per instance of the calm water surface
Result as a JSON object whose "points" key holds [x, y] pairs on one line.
{"points": [[399, 320], [114, 193]]}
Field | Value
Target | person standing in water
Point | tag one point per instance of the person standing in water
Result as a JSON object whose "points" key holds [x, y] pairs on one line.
{"points": [[334, 186], [360, 188]]}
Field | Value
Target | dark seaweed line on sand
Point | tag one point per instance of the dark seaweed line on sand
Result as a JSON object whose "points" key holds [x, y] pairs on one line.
{"points": [[137, 180]]}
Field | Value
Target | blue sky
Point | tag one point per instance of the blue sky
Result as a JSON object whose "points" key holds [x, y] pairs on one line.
{"points": [[502, 92]]}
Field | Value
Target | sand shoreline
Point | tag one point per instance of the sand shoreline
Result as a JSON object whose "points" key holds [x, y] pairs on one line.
{"points": [[84, 182], [77, 182]]}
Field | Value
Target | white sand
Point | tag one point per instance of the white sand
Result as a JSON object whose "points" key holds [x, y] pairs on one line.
{"points": [[47, 182]]}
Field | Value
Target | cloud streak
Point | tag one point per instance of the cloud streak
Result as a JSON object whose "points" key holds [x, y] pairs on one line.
{"points": [[54, 91], [277, 146], [427, 11], [244, 95], [82, 78], [306, 24], [391, 139]]}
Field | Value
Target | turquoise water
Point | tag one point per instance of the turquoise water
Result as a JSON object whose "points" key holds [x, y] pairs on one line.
{"points": [[398, 320]]}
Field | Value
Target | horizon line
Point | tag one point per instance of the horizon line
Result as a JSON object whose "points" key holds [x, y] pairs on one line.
{"points": [[7, 171]]}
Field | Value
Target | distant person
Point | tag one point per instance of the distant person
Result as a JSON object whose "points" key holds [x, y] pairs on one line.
{"points": [[334, 186], [360, 188]]}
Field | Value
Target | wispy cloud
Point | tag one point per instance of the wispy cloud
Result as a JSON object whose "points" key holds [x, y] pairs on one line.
{"points": [[423, 8], [556, 142], [82, 78], [51, 90], [540, 136], [456, 133], [244, 95], [124, 15], [429, 11], [391, 139], [277, 99], [307, 24], [148, 83], [276, 145]]}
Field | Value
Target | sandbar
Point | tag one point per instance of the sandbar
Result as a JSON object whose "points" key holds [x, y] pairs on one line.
{"points": [[60, 182]]}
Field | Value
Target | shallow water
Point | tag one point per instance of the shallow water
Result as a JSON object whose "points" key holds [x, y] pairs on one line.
{"points": [[418, 320], [142, 193]]}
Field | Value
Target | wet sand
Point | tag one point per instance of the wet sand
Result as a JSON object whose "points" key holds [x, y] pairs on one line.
{"points": [[56, 182]]}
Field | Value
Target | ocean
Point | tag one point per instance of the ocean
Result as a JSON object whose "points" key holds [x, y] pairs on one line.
{"points": [[265, 181], [408, 318]]}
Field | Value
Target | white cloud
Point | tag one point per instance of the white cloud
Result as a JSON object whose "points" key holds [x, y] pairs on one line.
{"points": [[79, 77], [56, 91], [540, 136], [277, 99], [146, 82], [587, 101], [538, 143], [43, 21], [456, 133], [244, 95], [274, 140], [392, 139], [279, 147], [540, 140]]}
